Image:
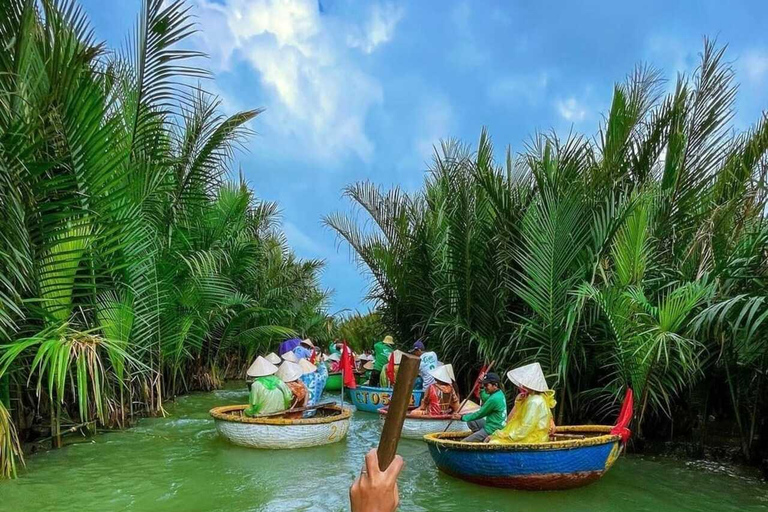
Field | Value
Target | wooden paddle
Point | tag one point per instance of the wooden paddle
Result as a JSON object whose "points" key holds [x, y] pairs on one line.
{"points": [[398, 407], [487, 370], [291, 411]]}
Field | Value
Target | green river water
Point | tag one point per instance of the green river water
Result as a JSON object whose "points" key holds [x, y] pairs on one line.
{"points": [[178, 463]]}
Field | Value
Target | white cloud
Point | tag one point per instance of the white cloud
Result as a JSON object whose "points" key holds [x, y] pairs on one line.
{"points": [[516, 89], [318, 97], [755, 65], [571, 109]]}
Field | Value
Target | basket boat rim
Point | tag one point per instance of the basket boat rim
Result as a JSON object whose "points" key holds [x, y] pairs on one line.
{"points": [[410, 416], [447, 440], [384, 390], [225, 413]]}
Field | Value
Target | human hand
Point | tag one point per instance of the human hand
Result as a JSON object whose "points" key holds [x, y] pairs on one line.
{"points": [[457, 416], [375, 490]]}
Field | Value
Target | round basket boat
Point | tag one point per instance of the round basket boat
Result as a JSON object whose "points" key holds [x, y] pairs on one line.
{"points": [[329, 425], [558, 464], [334, 382], [416, 427], [371, 399]]}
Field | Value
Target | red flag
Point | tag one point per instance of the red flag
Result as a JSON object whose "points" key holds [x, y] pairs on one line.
{"points": [[347, 367], [625, 417], [391, 370], [477, 387]]}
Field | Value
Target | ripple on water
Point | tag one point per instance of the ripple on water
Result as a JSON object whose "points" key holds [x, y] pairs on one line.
{"points": [[178, 463]]}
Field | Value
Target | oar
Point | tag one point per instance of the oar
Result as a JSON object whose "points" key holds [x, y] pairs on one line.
{"points": [[291, 411], [470, 394], [398, 407]]}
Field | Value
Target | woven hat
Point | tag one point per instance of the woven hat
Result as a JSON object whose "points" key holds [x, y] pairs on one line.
{"points": [[261, 368], [308, 343], [334, 357], [273, 358], [307, 367], [529, 376], [389, 340], [289, 372], [368, 365], [442, 374], [449, 369], [290, 356], [398, 355]]}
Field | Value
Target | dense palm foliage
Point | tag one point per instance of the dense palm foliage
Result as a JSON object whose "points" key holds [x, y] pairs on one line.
{"points": [[636, 258], [130, 268]]}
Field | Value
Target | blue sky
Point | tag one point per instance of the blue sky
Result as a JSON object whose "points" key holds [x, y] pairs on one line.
{"points": [[358, 90]]}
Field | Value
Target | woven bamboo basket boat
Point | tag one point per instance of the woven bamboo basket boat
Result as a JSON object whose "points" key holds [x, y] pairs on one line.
{"points": [[416, 427], [558, 464], [329, 425]]}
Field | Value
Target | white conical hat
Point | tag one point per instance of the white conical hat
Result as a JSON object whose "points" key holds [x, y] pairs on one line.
{"points": [[307, 367], [308, 342], [289, 371], [273, 358], [290, 356], [442, 373], [449, 369], [398, 356], [261, 368], [334, 357], [368, 365], [529, 376]]}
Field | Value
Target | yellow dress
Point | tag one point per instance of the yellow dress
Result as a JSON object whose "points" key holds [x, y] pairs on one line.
{"points": [[529, 422]]}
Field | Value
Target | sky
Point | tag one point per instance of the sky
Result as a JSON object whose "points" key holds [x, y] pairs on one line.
{"points": [[363, 90]]}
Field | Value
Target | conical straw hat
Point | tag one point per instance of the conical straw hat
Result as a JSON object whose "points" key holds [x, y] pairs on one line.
{"points": [[442, 374], [307, 367], [273, 358], [290, 356], [368, 365], [398, 356], [289, 371], [261, 368], [308, 342], [449, 369], [388, 340], [334, 357], [529, 376]]}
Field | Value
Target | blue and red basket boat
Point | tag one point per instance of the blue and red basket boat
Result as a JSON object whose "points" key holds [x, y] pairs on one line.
{"points": [[371, 399]]}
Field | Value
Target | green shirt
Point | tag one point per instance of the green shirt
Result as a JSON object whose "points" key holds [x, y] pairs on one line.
{"points": [[494, 410], [381, 353], [268, 394]]}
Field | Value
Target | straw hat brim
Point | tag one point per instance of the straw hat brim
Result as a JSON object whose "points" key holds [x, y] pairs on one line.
{"points": [[530, 377], [261, 368], [289, 372]]}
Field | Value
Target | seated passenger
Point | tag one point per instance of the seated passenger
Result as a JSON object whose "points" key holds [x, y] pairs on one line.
{"points": [[440, 398], [531, 418], [269, 393], [290, 374], [492, 413]]}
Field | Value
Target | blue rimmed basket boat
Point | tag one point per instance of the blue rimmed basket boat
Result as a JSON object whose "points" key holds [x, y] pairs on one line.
{"points": [[558, 464], [370, 399]]}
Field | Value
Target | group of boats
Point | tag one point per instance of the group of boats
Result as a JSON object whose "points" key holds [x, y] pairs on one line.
{"points": [[574, 456]]}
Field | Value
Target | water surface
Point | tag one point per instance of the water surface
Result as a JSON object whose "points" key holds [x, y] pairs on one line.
{"points": [[178, 463]]}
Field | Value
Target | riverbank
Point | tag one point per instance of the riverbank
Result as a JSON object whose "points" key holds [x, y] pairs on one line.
{"points": [[179, 463]]}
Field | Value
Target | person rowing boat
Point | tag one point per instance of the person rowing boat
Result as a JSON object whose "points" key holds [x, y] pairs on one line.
{"points": [[492, 413]]}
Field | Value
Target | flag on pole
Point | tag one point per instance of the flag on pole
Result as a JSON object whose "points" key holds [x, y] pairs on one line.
{"points": [[348, 367], [477, 386]]}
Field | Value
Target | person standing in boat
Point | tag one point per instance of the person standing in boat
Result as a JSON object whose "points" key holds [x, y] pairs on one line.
{"points": [[290, 374], [268, 392], [381, 352], [531, 419], [428, 363], [440, 398], [492, 413]]}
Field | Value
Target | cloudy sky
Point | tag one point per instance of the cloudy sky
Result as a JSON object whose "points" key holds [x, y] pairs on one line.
{"points": [[357, 90]]}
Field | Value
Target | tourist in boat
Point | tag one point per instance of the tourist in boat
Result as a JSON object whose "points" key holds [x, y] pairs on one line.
{"points": [[269, 393], [305, 349], [290, 357], [290, 374], [492, 413], [368, 368], [381, 352], [313, 379], [428, 363], [334, 361], [531, 419], [273, 358], [388, 374], [440, 398]]}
